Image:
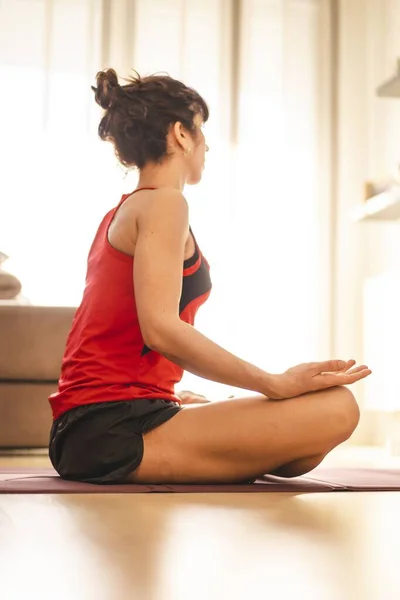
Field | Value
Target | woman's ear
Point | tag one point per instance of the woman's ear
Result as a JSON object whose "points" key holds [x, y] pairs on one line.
{"points": [[180, 135]]}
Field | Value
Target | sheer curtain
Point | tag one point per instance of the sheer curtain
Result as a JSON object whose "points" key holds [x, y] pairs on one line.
{"points": [[57, 179], [281, 206], [258, 214]]}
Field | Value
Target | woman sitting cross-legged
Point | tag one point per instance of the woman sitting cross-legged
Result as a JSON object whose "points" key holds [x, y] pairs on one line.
{"points": [[116, 415]]}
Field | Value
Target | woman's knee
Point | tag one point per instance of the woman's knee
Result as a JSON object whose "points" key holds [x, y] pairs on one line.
{"points": [[344, 414]]}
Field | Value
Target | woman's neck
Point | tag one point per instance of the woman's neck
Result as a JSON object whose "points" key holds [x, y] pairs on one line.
{"points": [[164, 175]]}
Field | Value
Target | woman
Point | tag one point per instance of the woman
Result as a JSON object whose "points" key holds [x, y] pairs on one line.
{"points": [[116, 416]]}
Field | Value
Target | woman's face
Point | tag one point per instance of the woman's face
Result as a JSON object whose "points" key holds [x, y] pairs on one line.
{"points": [[197, 154]]}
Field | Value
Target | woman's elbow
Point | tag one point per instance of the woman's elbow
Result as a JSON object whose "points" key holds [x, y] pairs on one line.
{"points": [[158, 337]]}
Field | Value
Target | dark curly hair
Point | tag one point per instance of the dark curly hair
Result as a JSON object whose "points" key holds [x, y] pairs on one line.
{"points": [[139, 114]]}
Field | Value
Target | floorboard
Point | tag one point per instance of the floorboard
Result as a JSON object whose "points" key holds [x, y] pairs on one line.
{"points": [[341, 546]]}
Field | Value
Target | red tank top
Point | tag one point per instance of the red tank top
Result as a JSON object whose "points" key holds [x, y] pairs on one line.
{"points": [[105, 359]]}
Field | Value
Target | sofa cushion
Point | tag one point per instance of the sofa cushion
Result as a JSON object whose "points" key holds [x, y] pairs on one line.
{"points": [[25, 414], [32, 341]]}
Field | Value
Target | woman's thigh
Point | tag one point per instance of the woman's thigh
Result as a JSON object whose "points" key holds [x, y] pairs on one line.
{"points": [[235, 440]]}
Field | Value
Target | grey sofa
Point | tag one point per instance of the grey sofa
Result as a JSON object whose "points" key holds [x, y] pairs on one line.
{"points": [[32, 342]]}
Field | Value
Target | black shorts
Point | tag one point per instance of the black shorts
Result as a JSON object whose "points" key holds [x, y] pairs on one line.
{"points": [[103, 443]]}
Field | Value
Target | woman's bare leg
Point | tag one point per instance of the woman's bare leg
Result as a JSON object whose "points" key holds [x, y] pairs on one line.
{"points": [[300, 466], [237, 440]]}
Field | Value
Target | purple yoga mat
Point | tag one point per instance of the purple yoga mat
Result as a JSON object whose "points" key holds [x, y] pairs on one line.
{"points": [[358, 480], [46, 481]]}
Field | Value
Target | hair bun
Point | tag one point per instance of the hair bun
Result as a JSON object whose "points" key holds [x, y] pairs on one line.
{"points": [[107, 84]]}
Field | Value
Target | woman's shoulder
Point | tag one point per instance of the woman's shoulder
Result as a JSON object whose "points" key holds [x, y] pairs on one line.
{"points": [[165, 200]]}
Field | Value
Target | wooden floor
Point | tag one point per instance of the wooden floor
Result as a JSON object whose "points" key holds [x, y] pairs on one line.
{"points": [[337, 546]]}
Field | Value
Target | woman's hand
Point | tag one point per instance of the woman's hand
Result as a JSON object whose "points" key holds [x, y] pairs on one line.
{"points": [[311, 377], [191, 398]]}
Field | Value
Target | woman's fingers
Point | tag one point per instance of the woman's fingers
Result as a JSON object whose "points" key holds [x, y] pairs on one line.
{"points": [[200, 400], [332, 366], [328, 366], [349, 365], [356, 369], [188, 397], [334, 379], [353, 377]]}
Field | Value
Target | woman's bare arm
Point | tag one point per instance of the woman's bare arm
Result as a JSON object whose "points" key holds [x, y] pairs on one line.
{"points": [[162, 232]]}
